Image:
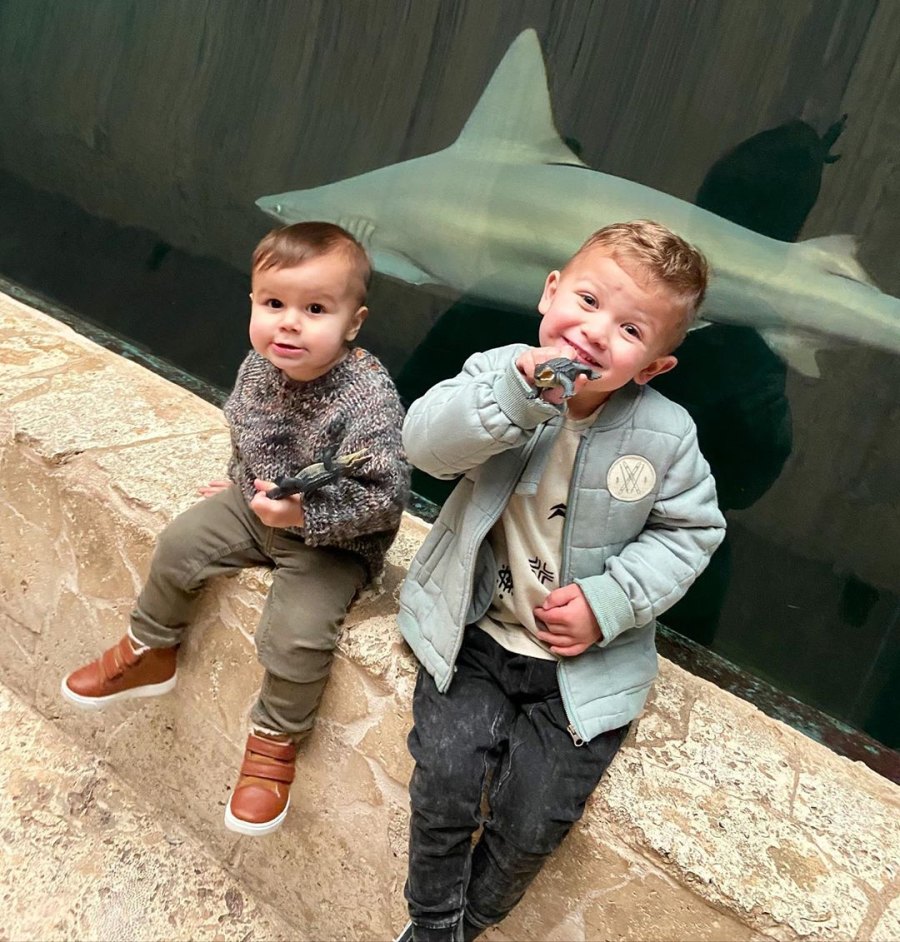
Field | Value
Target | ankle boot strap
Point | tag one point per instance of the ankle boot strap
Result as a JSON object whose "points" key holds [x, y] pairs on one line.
{"points": [[285, 750]]}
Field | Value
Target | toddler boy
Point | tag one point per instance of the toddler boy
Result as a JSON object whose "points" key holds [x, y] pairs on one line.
{"points": [[532, 603], [301, 396]]}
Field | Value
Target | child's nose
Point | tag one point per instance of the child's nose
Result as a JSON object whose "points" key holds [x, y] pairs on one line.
{"points": [[596, 332], [292, 317]]}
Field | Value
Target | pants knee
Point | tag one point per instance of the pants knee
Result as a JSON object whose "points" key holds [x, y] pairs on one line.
{"points": [[286, 657], [532, 832], [171, 555]]}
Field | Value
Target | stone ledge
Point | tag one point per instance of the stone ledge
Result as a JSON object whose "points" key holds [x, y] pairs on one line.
{"points": [[715, 823]]}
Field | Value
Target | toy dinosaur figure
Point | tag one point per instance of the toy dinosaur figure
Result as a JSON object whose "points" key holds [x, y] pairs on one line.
{"points": [[561, 371], [316, 475]]}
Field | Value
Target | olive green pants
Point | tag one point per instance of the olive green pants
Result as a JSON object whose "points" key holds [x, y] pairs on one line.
{"points": [[312, 588]]}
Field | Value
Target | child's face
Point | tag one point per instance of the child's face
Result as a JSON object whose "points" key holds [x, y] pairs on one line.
{"points": [[302, 318], [594, 312]]}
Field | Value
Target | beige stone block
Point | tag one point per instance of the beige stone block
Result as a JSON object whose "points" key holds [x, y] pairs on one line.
{"points": [[163, 476], [385, 742], [18, 656], [127, 405], [85, 858], [592, 890], [76, 632], [219, 674], [866, 843], [13, 389], [111, 551], [377, 602], [35, 559], [346, 700], [177, 759], [24, 350], [702, 805], [412, 532], [378, 646], [331, 868], [888, 927]]}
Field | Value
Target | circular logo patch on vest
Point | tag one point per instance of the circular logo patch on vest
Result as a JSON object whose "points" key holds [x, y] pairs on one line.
{"points": [[630, 477]]}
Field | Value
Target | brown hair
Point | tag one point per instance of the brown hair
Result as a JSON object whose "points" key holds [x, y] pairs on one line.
{"points": [[292, 245], [658, 256]]}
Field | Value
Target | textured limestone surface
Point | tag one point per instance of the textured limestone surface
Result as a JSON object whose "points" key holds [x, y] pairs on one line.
{"points": [[85, 857], [715, 822]]}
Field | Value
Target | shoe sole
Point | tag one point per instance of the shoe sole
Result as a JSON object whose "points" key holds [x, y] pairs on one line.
{"points": [[406, 934], [100, 703], [248, 828]]}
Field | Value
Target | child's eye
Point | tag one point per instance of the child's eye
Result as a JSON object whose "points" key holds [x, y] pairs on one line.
{"points": [[632, 331], [316, 309], [589, 300], [274, 304]]}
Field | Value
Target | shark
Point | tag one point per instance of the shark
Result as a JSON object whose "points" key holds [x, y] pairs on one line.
{"points": [[508, 201]]}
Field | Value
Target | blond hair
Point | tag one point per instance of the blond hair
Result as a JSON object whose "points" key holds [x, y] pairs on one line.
{"points": [[290, 246], [657, 256]]}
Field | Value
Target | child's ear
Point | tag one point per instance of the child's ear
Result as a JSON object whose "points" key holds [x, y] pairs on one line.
{"points": [[659, 366], [356, 323], [550, 286]]}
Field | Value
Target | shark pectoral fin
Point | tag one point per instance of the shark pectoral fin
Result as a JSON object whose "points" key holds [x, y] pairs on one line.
{"points": [[513, 120], [395, 264], [400, 266], [836, 254], [796, 349]]}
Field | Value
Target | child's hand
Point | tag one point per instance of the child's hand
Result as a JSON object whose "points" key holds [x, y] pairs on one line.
{"points": [[213, 488], [529, 360], [276, 513], [571, 627]]}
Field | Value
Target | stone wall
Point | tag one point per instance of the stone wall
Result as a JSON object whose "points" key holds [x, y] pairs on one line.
{"points": [[715, 822]]}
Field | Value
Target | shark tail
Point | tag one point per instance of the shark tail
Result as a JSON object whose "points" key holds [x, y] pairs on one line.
{"points": [[836, 255]]}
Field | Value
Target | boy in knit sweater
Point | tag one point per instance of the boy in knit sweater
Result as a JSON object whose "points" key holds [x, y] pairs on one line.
{"points": [[302, 395]]}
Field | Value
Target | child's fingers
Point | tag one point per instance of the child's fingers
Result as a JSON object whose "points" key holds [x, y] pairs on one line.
{"points": [[551, 616], [570, 651], [565, 645], [561, 596], [557, 638]]}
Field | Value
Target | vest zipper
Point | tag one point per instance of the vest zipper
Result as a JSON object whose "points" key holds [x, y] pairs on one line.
{"points": [[473, 556], [564, 571]]}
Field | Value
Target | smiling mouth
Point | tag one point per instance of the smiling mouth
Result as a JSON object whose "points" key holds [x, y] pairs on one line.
{"points": [[286, 348], [582, 355]]}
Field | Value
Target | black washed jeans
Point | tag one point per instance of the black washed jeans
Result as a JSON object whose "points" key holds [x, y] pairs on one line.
{"points": [[502, 716]]}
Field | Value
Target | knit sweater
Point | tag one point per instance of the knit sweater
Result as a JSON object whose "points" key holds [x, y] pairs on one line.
{"points": [[280, 425]]}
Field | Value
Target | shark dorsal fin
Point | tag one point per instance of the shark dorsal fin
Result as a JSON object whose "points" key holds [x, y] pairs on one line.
{"points": [[513, 120]]}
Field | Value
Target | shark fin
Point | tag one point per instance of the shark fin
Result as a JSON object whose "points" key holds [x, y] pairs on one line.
{"points": [[395, 264], [513, 120], [401, 266], [796, 349], [837, 254]]}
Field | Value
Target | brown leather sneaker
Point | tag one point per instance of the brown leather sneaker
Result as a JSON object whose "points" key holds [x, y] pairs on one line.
{"points": [[262, 796], [120, 673]]}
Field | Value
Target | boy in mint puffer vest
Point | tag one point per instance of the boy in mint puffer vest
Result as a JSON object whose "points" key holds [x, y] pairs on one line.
{"points": [[532, 603]]}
